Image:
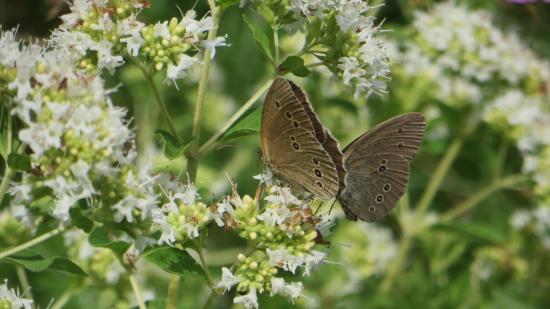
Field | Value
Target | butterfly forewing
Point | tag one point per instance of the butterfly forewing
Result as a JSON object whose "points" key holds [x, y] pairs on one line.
{"points": [[322, 134], [301, 161], [296, 145]]}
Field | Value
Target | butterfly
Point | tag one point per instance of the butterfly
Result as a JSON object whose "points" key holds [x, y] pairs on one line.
{"points": [[367, 177]]}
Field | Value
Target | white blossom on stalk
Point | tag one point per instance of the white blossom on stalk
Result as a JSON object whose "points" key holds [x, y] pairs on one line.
{"points": [[228, 279], [291, 290], [10, 298], [249, 300], [282, 196]]}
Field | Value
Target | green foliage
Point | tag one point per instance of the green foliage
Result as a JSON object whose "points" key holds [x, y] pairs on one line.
{"points": [[294, 65], [174, 261], [19, 162], [38, 263], [170, 146], [260, 36], [99, 237], [248, 124]]}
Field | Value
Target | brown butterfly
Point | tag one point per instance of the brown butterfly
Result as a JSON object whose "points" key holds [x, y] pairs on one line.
{"points": [[368, 178]]}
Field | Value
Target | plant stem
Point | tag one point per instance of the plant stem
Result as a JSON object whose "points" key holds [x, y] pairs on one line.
{"points": [[6, 180], [137, 292], [8, 173], [31, 242], [316, 64], [396, 265], [149, 77], [192, 155], [24, 281], [62, 301], [275, 46], [212, 141], [439, 175], [173, 292], [501, 159], [200, 252], [210, 300], [475, 199]]}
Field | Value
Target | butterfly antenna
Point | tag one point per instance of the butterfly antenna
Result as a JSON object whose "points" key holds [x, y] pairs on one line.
{"points": [[331, 207], [317, 210], [341, 244]]}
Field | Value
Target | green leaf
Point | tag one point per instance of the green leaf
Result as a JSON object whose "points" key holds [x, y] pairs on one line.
{"points": [[99, 237], [44, 203], [171, 148], [265, 10], [224, 4], [294, 65], [259, 35], [248, 124], [37, 263], [173, 260], [19, 162], [79, 220], [66, 265]]}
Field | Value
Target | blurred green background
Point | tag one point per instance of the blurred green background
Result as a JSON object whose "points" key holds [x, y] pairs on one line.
{"points": [[445, 266]]}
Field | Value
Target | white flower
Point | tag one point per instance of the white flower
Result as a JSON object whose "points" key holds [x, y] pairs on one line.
{"points": [[350, 15], [133, 43], [124, 209], [212, 44], [41, 137], [162, 30], [79, 9], [283, 259], [314, 258], [80, 171], [249, 300], [290, 290], [194, 28], [20, 191], [178, 71], [160, 223], [189, 196], [275, 215], [228, 279], [520, 219], [282, 196], [266, 177], [12, 299], [105, 57]]}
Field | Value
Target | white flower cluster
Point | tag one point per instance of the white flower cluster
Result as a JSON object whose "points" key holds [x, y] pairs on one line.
{"points": [[10, 298], [81, 145], [284, 234], [100, 26], [465, 54], [468, 61], [347, 32], [368, 250], [102, 33], [181, 217], [536, 220]]}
